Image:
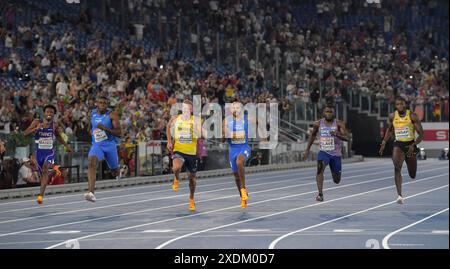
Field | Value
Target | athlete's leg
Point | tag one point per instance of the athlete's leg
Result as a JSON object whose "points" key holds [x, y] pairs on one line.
{"points": [[44, 178], [238, 181], [44, 160], [240, 162], [92, 172], [336, 167], [397, 158], [411, 163], [234, 168], [319, 176], [95, 156], [112, 159], [192, 166], [336, 177], [176, 168], [192, 184]]}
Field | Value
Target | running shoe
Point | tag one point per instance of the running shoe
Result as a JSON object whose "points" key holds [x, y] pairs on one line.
{"points": [[191, 205], [244, 195], [243, 203], [319, 198], [175, 184], [40, 199], [90, 197], [399, 200]]}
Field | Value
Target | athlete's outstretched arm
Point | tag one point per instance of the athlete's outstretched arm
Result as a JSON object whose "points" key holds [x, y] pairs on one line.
{"points": [[116, 130], [311, 139], [169, 133], [89, 126], [32, 128], [418, 127], [388, 134]]}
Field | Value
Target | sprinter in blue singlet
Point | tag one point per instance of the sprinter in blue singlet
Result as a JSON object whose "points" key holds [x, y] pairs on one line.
{"points": [[105, 127], [236, 131]]}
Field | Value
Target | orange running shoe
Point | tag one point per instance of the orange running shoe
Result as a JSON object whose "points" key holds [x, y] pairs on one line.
{"points": [[244, 195], [40, 199], [175, 184], [191, 205], [243, 203]]}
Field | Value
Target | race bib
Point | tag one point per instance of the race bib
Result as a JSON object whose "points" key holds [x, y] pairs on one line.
{"points": [[238, 137], [327, 144], [45, 143], [100, 135], [402, 132], [184, 137]]}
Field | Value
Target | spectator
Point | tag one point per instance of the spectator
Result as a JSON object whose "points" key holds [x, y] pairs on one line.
{"points": [[26, 176], [58, 178]]}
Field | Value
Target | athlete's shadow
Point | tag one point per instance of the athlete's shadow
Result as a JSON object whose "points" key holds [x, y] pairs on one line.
{"points": [[39, 214], [197, 213], [244, 216]]}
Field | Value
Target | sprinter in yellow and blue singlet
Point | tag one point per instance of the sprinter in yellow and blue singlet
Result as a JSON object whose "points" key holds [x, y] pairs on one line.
{"points": [[182, 142]]}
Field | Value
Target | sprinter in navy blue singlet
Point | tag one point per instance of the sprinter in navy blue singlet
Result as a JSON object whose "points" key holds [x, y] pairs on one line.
{"points": [[45, 135]]}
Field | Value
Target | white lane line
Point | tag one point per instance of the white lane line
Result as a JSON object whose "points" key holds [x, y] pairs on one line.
{"points": [[347, 230], [157, 185], [253, 230], [385, 241], [217, 210], [283, 212], [438, 232], [258, 178], [151, 186], [408, 245], [183, 204], [140, 201], [167, 197], [276, 241], [158, 231], [64, 232]]}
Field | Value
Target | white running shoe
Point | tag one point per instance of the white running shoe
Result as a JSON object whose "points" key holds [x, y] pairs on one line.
{"points": [[90, 197], [399, 200]]}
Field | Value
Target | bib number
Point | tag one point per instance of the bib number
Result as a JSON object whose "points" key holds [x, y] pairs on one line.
{"points": [[184, 138], [327, 144], [402, 132], [238, 137], [100, 135], [45, 143]]}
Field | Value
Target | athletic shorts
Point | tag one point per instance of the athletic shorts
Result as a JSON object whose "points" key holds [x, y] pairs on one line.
{"points": [[190, 161], [45, 156], [106, 151], [334, 161], [235, 151], [404, 147]]}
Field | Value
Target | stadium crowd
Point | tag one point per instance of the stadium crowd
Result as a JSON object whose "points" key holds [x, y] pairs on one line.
{"points": [[317, 58]]}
